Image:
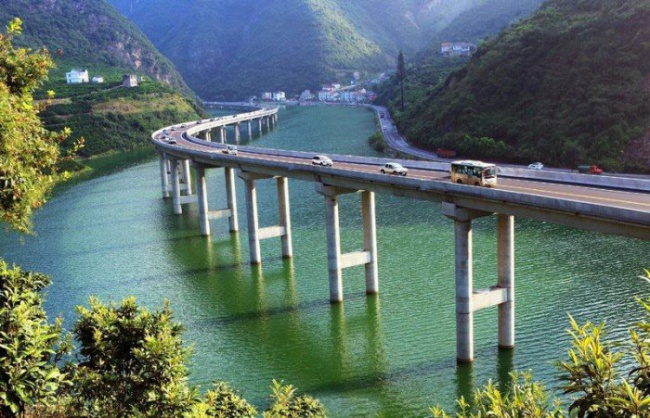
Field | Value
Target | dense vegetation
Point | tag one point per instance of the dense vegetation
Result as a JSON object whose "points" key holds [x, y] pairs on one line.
{"points": [[115, 118], [88, 34], [94, 36], [566, 86], [288, 45]]}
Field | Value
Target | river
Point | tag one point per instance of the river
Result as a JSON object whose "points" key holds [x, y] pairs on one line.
{"points": [[391, 354]]}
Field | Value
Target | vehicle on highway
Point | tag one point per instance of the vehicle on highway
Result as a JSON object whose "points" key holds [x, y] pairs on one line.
{"points": [[171, 140], [323, 160], [536, 166], [183, 125], [394, 168], [590, 169], [230, 149], [476, 173]]}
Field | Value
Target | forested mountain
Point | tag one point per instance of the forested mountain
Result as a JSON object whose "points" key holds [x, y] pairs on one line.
{"points": [[569, 85], [88, 33], [235, 48], [92, 35]]}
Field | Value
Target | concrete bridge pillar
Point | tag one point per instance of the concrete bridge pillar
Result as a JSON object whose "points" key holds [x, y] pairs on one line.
{"points": [[164, 175], [176, 187], [255, 233], [202, 192], [285, 216], [370, 240], [259, 121], [506, 279], [231, 196], [336, 261], [468, 300], [250, 130], [208, 136], [237, 132], [187, 177], [222, 134]]}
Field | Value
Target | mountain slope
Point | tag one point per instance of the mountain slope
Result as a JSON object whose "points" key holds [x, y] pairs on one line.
{"points": [[84, 33], [569, 85], [235, 48], [94, 36]]}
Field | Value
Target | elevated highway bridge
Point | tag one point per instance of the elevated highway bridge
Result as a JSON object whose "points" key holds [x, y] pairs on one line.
{"points": [[611, 205]]}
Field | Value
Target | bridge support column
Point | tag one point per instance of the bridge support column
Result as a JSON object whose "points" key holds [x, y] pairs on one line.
{"points": [[237, 132], [176, 187], [506, 279], [370, 240], [466, 300], [336, 261], [231, 195], [259, 121], [208, 136], [164, 175], [285, 216], [202, 192], [255, 233], [187, 177], [250, 130], [222, 134]]}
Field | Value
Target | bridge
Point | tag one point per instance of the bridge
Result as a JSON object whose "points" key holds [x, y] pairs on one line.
{"points": [[605, 204]]}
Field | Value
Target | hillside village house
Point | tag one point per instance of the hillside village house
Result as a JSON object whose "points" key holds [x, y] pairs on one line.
{"points": [[76, 76], [130, 80]]}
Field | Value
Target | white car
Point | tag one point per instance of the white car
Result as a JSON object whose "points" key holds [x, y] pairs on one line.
{"points": [[394, 168], [170, 140], [230, 149], [323, 160], [536, 166]]}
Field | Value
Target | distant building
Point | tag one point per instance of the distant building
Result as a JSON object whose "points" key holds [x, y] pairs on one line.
{"points": [[76, 76], [279, 96], [267, 96], [356, 75], [457, 49], [98, 79], [130, 80]]}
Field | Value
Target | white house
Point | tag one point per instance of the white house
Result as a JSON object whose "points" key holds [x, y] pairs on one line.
{"points": [[98, 79], [76, 76], [130, 80], [267, 95], [279, 96]]}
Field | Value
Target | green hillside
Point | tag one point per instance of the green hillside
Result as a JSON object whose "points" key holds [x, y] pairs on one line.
{"points": [[231, 49], [566, 86], [94, 36]]}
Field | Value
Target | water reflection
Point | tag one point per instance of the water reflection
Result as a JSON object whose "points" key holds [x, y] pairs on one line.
{"points": [[505, 366]]}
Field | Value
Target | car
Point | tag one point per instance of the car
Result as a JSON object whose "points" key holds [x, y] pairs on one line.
{"points": [[323, 160], [230, 149], [182, 125], [171, 140], [394, 168], [536, 166]]}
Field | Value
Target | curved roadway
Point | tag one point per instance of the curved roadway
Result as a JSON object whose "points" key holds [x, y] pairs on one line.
{"points": [[612, 211]]}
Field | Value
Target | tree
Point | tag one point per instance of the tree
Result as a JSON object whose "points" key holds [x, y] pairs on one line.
{"points": [[401, 76], [287, 404], [224, 402], [30, 348], [28, 153], [131, 362]]}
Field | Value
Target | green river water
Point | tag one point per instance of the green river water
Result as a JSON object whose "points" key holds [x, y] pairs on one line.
{"points": [[391, 354]]}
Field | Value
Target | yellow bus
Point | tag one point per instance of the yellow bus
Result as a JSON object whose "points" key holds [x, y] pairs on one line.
{"points": [[476, 173]]}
